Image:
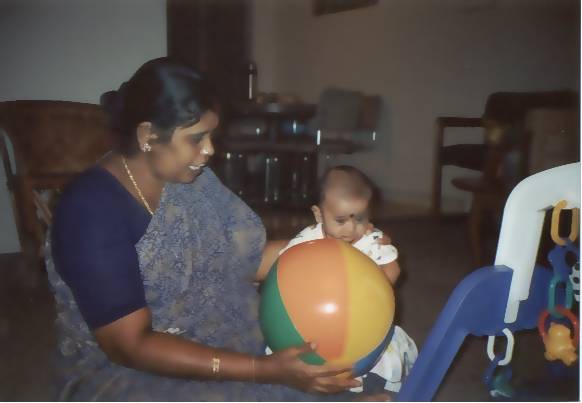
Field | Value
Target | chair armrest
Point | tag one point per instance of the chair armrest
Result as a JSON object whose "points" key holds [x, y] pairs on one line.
{"points": [[443, 122], [453, 121]]}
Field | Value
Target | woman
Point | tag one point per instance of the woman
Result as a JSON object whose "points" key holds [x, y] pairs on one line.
{"points": [[153, 262]]}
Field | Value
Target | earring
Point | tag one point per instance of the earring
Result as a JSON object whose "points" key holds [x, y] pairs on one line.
{"points": [[146, 148], [204, 151]]}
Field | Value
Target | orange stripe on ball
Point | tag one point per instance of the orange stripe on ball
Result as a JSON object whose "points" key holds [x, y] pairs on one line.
{"points": [[317, 307]]}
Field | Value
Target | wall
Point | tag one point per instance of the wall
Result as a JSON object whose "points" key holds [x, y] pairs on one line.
{"points": [[426, 59], [71, 50]]}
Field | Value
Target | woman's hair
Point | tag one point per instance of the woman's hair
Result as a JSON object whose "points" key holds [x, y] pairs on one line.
{"points": [[165, 92]]}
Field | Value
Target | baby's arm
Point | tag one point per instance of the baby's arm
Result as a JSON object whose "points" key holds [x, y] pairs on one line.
{"points": [[273, 249], [270, 254], [392, 271], [377, 245]]}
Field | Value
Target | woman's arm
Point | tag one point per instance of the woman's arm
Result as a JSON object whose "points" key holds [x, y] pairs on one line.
{"points": [[131, 342], [270, 254]]}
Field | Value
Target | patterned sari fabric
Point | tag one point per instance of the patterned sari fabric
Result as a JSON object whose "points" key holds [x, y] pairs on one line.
{"points": [[197, 260]]}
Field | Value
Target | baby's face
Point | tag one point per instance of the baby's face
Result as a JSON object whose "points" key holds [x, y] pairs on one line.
{"points": [[343, 218]]}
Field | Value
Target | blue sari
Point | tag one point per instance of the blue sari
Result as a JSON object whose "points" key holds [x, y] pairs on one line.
{"points": [[197, 260]]}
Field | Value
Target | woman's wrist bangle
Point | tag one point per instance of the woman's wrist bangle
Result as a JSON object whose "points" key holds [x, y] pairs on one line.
{"points": [[216, 367]]}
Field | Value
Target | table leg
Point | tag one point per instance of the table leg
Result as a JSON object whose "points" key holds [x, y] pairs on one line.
{"points": [[272, 128]]}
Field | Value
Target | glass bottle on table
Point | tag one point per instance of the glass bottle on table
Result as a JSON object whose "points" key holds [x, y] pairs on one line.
{"points": [[252, 81], [272, 178]]}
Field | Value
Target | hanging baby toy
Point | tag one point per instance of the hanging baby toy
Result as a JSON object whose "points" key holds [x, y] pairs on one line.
{"points": [[560, 341]]}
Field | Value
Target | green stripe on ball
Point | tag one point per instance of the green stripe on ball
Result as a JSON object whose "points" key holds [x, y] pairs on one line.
{"points": [[278, 330]]}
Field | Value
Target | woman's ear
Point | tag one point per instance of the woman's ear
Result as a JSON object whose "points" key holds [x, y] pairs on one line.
{"points": [[317, 214], [145, 136]]}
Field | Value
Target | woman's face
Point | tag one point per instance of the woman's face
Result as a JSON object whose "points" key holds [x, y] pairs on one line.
{"points": [[183, 158]]}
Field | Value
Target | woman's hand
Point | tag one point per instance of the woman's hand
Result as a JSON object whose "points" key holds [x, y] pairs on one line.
{"points": [[285, 367]]}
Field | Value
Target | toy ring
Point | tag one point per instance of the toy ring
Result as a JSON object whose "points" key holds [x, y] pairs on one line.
{"points": [[574, 228], [565, 312]]}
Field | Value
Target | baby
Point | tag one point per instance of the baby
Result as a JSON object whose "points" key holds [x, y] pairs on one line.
{"points": [[343, 212]]}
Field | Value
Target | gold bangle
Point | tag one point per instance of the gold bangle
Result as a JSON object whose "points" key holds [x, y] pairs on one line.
{"points": [[216, 366]]}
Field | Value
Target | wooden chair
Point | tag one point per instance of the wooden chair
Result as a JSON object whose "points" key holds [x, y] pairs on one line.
{"points": [[502, 119], [502, 158], [52, 141]]}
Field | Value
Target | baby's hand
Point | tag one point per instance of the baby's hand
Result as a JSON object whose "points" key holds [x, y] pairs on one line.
{"points": [[385, 240]]}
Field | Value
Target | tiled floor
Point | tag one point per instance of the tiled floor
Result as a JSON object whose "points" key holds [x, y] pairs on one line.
{"points": [[434, 257]]}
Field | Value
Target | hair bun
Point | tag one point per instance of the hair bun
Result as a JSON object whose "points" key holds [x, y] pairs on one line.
{"points": [[113, 101], [112, 104]]}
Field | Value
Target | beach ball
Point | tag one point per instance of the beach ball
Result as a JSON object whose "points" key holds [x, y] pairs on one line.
{"points": [[328, 292]]}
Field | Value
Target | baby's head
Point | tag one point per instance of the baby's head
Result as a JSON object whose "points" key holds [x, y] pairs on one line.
{"points": [[344, 200]]}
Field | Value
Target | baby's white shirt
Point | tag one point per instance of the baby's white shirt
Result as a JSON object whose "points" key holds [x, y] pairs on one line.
{"points": [[368, 244]]}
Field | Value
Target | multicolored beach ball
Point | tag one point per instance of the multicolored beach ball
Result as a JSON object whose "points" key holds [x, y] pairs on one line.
{"points": [[328, 292]]}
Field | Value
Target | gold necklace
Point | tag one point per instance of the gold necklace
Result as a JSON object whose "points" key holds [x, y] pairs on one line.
{"points": [[143, 199]]}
